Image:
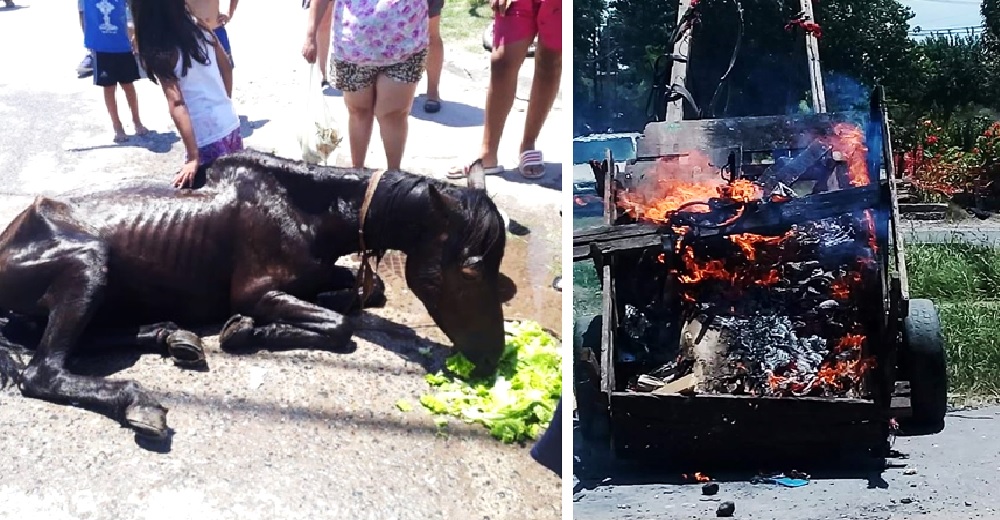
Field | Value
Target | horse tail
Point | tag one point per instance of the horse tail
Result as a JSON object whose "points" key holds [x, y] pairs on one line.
{"points": [[11, 365]]}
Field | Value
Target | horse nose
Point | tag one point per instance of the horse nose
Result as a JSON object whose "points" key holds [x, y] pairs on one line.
{"points": [[484, 350]]}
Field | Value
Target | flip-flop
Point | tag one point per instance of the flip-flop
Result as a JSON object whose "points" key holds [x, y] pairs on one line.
{"points": [[463, 172], [531, 165], [432, 106]]}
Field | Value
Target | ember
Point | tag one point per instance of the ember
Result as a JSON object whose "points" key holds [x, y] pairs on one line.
{"points": [[763, 314]]}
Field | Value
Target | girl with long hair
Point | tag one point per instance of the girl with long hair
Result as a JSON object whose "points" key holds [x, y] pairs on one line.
{"points": [[189, 63]]}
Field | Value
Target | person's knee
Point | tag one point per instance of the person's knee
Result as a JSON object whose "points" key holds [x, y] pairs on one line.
{"points": [[392, 114], [360, 110], [505, 60], [548, 64]]}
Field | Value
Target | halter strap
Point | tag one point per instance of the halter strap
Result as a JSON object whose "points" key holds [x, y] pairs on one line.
{"points": [[366, 273]]}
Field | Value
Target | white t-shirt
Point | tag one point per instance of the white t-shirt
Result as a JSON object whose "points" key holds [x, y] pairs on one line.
{"points": [[212, 113]]}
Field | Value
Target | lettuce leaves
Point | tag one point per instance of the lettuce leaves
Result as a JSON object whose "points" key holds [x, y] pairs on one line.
{"points": [[517, 403]]}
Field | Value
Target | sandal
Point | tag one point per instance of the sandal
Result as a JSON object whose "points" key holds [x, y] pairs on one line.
{"points": [[463, 172], [432, 106], [531, 165]]}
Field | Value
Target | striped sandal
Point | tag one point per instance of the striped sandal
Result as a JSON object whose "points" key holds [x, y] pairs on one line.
{"points": [[531, 165]]}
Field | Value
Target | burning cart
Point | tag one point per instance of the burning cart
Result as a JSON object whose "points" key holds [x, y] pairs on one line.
{"points": [[754, 295]]}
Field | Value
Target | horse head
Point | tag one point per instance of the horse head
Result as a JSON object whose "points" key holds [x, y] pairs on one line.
{"points": [[455, 271]]}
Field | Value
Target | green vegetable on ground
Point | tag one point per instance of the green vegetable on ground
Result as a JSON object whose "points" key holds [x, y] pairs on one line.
{"points": [[515, 404], [404, 405]]}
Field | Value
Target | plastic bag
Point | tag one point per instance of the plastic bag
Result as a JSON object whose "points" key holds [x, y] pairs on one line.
{"points": [[319, 135]]}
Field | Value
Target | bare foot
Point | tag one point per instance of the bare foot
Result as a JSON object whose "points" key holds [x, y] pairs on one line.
{"points": [[120, 136], [139, 129]]}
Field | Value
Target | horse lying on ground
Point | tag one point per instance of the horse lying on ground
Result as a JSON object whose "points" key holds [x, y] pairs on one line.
{"points": [[129, 267]]}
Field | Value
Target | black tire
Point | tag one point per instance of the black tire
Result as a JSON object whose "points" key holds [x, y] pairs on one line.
{"points": [[591, 406], [927, 368]]}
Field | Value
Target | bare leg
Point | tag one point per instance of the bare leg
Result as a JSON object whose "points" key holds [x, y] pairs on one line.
{"points": [[133, 106], [435, 60], [323, 43], [544, 88], [360, 122], [504, 65], [112, 105], [393, 100]]}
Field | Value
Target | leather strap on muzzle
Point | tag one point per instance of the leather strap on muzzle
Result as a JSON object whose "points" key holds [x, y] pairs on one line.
{"points": [[366, 273]]}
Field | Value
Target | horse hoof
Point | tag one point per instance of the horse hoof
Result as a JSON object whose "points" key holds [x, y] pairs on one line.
{"points": [[147, 420], [186, 349], [236, 334]]}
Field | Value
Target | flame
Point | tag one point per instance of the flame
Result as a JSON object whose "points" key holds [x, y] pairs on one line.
{"points": [[869, 221], [710, 270], [748, 241], [697, 477], [841, 288], [849, 140], [838, 375], [742, 190]]}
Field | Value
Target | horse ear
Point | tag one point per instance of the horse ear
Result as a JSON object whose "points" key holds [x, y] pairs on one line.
{"points": [[443, 204]]}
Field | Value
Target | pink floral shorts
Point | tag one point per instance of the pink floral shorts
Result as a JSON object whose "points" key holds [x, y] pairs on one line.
{"points": [[210, 152]]}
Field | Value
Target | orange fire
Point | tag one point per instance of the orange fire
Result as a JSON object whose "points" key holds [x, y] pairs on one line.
{"points": [[869, 221], [841, 287], [748, 242], [697, 477], [832, 374], [849, 140]]}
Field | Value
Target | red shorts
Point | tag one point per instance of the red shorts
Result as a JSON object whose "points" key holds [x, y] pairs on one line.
{"points": [[526, 18]]}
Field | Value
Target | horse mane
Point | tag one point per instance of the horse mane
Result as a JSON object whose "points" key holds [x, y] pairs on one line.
{"points": [[400, 193]]}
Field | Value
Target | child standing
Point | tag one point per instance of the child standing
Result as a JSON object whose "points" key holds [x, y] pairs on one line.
{"points": [[106, 33], [191, 66]]}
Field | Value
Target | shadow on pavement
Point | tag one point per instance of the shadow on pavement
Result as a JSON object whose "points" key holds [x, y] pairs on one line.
{"points": [[247, 127], [14, 7], [154, 141], [594, 466], [332, 92], [552, 179], [453, 114]]}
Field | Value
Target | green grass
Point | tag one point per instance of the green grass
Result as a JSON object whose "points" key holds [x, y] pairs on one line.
{"points": [[953, 272], [964, 282], [463, 23], [972, 339]]}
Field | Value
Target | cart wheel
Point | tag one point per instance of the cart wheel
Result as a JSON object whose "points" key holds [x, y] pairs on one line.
{"points": [[590, 405], [926, 367]]}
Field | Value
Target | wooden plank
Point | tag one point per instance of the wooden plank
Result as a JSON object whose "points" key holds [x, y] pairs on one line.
{"points": [[812, 55], [894, 215], [627, 244], [601, 233], [678, 70], [607, 332]]}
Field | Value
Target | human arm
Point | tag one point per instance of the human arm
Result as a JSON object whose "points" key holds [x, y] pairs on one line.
{"points": [[225, 67], [182, 120], [317, 9], [225, 18]]}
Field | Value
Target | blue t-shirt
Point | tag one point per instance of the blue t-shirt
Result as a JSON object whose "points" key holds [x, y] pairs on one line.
{"points": [[105, 25]]}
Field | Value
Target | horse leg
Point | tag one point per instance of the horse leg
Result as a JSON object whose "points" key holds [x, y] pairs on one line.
{"points": [[280, 321], [183, 346], [345, 297], [65, 271]]}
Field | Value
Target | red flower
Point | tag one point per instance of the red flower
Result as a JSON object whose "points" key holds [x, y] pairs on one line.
{"points": [[975, 150], [931, 139]]}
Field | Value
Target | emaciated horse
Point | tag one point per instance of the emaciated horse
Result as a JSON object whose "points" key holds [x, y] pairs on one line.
{"points": [[257, 246]]}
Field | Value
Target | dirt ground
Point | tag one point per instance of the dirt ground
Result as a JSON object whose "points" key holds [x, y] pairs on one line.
{"points": [[285, 435]]}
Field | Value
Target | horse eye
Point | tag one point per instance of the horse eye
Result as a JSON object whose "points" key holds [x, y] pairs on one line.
{"points": [[472, 267]]}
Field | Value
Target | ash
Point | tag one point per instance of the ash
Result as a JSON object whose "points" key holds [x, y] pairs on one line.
{"points": [[770, 345]]}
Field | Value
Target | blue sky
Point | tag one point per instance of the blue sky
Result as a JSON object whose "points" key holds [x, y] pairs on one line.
{"points": [[937, 14]]}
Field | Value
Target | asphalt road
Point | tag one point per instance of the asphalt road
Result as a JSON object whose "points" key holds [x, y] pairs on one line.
{"points": [[952, 475], [286, 435]]}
